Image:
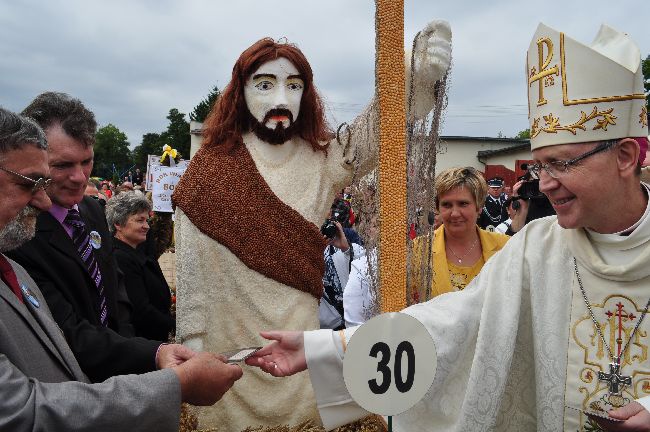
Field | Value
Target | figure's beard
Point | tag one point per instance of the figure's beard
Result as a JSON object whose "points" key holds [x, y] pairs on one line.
{"points": [[19, 230], [280, 134]]}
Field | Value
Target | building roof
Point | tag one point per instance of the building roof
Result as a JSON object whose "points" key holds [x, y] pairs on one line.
{"points": [[511, 149], [490, 139]]}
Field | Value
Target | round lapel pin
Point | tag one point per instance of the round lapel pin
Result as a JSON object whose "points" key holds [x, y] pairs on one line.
{"points": [[95, 239], [29, 295]]}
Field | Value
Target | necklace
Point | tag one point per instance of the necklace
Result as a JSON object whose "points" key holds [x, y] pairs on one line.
{"points": [[460, 258], [615, 380]]}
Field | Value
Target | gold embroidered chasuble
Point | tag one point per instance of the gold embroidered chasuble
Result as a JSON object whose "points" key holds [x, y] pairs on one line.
{"points": [[615, 273]]}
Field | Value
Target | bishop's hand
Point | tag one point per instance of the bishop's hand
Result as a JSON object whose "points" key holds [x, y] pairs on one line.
{"points": [[432, 59], [284, 356], [636, 418]]}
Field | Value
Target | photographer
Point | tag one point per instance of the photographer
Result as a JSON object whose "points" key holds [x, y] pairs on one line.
{"points": [[528, 203], [344, 246]]}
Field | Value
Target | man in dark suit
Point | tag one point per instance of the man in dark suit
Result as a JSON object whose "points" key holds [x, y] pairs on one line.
{"points": [[71, 256], [42, 387], [494, 212]]}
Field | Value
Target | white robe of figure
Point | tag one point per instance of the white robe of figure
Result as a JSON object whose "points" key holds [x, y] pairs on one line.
{"points": [[224, 304], [503, 342]]}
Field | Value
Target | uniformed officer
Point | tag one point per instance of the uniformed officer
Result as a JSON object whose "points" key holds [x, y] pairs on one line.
{"points": [[494, 211]]}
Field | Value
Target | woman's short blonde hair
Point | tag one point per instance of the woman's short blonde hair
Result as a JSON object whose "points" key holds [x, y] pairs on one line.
{"points": [[467, 177]]}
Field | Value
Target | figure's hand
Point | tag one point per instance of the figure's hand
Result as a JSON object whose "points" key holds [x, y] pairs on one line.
{"points": [[636, 418], [205, 378], [172, 355], [433, 50], [284, 356], [339, 240], [432, 59]]}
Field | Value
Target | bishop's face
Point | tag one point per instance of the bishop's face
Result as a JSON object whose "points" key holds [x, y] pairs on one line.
{"points": [[273, 93]]}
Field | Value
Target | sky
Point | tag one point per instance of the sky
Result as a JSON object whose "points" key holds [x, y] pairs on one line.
{"points": [[131, 61]]}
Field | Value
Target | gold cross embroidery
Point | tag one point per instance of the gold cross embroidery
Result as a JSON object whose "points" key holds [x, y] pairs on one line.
{"points": [[543, 72]]}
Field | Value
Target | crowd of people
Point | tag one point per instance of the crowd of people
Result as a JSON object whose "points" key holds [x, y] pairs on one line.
{"points": [[519, 307]]}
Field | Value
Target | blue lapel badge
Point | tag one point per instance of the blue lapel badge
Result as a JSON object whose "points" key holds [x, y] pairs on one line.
{"points": [[95, 240], [27, 293]]}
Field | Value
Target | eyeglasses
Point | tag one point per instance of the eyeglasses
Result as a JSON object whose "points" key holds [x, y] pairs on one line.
{"points": [[559, 168], [41, 183]]}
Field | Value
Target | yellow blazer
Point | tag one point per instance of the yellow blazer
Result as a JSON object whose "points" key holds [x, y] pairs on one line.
{"points": [[491, 243]]}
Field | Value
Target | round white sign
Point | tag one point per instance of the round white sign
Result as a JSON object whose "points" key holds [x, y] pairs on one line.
{"points": [[389, 364]]}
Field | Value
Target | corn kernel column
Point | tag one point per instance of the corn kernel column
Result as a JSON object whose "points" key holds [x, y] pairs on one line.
{"points": [[389, 70]]}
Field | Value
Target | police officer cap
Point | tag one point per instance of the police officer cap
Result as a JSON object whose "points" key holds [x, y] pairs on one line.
{"points": [[495, 182]]}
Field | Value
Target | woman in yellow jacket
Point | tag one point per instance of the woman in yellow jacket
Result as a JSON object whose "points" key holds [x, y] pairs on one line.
{"points": [[459, 248]]}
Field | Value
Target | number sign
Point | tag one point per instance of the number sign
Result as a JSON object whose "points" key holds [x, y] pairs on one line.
{"points": [[389, 364]]}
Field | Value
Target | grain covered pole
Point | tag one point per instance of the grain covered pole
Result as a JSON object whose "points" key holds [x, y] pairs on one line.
{"points": [[389, 70]]}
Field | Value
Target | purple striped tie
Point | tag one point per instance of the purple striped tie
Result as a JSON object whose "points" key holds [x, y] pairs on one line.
{"points": [[81, 240]]}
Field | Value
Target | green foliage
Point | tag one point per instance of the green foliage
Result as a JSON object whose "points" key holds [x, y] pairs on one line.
{"points": [[152, 143], [524, 134], [202, 110], [112, 154], [177, 134], [646, 80]]}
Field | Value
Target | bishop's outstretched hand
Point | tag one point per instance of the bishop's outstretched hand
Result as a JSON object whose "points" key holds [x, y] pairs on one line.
{"points": [[284, 356]]}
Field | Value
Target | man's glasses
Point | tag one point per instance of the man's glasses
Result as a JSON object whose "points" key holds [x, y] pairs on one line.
{"points": [[559, 168], [41, 183]]}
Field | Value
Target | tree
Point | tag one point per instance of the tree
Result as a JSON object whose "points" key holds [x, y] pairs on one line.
{"points": [[112, 154], [177, 134], [202, 110], [152, 144], [524, 134], [646, 80]]}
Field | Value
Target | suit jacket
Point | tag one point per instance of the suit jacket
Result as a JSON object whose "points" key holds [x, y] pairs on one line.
{"points": [[51, 259], [148, 291], [42, 387]]}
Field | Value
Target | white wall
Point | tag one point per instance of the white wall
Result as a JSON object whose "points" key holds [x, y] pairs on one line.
{"points": [[196, 137], [463, 152]]}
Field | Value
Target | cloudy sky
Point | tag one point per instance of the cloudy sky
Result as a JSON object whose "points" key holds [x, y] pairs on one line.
{"points": [[131, 61]]}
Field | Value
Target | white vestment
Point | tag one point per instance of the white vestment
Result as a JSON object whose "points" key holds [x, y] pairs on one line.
{"points": [[503, 342]]}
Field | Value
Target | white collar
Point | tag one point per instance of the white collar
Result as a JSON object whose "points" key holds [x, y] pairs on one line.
{"points": [[614, 256]]}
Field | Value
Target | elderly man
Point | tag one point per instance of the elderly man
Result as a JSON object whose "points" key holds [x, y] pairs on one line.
{"points": [[71, 256], [559, 341], [41, 384]]}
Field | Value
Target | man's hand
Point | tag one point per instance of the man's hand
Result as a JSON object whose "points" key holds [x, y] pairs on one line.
{"points": [[205, 378], [339, 240], [172, 355], [636, 418], [284, 356]]}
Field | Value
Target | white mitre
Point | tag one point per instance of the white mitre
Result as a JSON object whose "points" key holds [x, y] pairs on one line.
{"points": [[579, 93]]}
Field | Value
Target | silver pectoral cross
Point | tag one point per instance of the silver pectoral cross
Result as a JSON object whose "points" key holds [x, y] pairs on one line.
{"points": [[615, 380]]}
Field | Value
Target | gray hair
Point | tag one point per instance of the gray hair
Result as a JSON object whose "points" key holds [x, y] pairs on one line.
{"points": [[16, 131], [123, 205], [55, 108]]}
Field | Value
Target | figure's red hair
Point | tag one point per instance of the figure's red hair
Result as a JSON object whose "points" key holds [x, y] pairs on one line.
{"points": [[229, 117]]}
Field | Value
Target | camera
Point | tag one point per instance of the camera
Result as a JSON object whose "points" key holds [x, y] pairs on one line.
{"points": [[329, 229], [530, 187], [340, 213]]}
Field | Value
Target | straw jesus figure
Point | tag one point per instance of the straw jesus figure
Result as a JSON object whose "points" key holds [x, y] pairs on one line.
{"points": [[249, 207]]}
